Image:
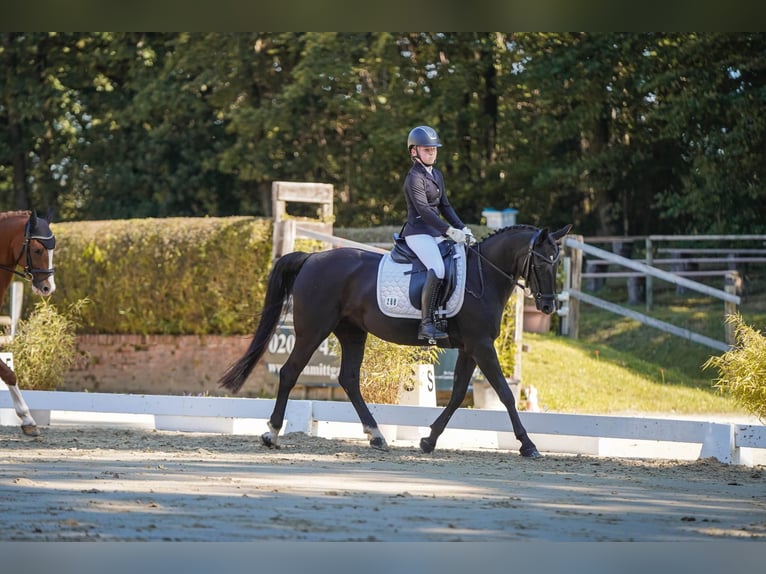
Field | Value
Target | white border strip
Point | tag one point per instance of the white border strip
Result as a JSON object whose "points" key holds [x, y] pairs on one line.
{"points": [[722, 441]]}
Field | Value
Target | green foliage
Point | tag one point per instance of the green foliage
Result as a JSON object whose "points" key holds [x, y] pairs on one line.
{"points": [[619, 133], [505, 343], [45, 345], [169, 276], [387, 366], [742, 370]]}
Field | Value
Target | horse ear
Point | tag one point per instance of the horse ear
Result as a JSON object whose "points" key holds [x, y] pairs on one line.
{"points": [[561, 232], [49, 215], [32, 219]]}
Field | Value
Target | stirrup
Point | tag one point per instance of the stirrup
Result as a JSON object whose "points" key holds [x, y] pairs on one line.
{"points": [[429, 330]]}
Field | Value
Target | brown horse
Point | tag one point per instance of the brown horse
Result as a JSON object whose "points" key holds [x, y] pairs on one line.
{"points": [[26, 242], [335, 292]]}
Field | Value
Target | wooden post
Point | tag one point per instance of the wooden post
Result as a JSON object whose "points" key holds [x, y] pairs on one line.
{"points": [[564, 311], [575, 283], [286, 238], [649, 278], [731, 282], [518, 331], [284, 192]]}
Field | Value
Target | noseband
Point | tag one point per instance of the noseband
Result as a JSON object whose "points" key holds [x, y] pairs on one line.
{"points": [[48, 241]]}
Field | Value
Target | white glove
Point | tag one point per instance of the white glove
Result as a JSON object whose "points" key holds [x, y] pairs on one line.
{"points": [[456, 235], [469, 238]]}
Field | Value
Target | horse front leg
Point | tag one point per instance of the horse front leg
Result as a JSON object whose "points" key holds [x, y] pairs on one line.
{"points": [[28, 424], [464, 367], [490, 366]]}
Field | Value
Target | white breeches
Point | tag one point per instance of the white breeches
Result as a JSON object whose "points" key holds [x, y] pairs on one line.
{"points": [[427, 250]]}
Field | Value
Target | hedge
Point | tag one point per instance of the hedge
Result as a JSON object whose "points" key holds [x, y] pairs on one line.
{"points": [[191, 276]]}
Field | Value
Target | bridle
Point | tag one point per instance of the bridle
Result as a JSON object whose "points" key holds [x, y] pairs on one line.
{"points": [[30, 271], [528, 267]]}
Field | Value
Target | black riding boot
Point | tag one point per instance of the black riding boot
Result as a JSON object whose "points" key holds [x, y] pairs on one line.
{"points": [[428, 298]]}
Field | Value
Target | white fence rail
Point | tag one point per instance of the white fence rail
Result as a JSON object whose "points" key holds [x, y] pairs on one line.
{"points": [[573, 292], [648, 270], [564, 433]]}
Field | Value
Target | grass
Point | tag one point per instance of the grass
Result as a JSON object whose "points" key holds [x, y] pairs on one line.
{"points": [[575, 376], [620, 366]]}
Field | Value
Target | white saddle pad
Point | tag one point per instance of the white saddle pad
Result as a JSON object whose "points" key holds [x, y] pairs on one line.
{"points": [[394, 288]]}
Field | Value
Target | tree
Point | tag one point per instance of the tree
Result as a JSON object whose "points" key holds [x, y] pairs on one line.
{"points": [[37, 118], [711, 92], [618, 133]]}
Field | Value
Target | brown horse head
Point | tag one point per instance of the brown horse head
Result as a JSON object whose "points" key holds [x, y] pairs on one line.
{"points": [[27, 243], [40, 249]]}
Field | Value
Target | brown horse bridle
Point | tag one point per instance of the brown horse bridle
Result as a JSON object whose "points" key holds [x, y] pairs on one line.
{"points": [[47, 241]]}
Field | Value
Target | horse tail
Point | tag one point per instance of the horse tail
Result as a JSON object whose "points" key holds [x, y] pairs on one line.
{"points": [[280, 285]]}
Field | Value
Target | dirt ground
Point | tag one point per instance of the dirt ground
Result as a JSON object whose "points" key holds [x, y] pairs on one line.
{"points": [[127, 484]]}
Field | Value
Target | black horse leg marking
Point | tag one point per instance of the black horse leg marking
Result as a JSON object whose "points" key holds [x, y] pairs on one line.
{"points": [[490, 366], [352, 340], [464, 367]]}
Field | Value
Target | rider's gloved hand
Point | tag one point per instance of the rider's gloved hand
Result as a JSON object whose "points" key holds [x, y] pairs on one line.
{"points": [[456, 235], [469, 238]]}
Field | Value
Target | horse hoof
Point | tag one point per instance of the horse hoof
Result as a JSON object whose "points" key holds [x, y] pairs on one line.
{"points": [[266, 440], [30, 430], [379, 443], [530, 453], [426, 446]]}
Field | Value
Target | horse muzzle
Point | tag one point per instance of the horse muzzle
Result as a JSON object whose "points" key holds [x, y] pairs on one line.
{"points": [[45, 287], [546, 303]]}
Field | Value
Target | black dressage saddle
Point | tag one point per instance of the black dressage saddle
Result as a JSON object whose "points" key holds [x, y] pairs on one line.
{"points": [[401, 253]]}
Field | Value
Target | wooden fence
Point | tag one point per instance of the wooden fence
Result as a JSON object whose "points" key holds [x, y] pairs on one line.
{"points": [[573, 293]]}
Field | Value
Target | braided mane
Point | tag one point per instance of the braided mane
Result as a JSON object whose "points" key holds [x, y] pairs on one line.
{"points": [[9, 214], [517, 227]]}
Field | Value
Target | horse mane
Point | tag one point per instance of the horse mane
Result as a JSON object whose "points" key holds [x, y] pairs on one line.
{"points": [[9, 214], [517, 227]]}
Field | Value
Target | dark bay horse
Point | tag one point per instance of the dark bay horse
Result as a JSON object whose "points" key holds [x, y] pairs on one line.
{"points": [[335, 292], [27, 243]]}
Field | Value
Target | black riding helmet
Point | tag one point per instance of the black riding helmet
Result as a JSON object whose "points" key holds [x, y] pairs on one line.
{"points": [[423, 136]]}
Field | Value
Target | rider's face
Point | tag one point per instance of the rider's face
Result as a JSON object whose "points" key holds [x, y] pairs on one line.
{"points": [[427, 154]]}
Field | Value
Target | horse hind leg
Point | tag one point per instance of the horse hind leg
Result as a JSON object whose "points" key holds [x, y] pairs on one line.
{"points": [[288, 376], [352, 341]]}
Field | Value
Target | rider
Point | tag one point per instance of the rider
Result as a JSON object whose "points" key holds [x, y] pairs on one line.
{"points": [[427, 203]]}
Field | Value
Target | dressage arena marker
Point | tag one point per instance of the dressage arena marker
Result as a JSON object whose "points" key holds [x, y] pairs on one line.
{"points": [[563, 433]]}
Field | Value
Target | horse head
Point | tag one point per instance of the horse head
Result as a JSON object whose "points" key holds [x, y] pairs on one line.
{"points": [[39, 243], [539, 272]]}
